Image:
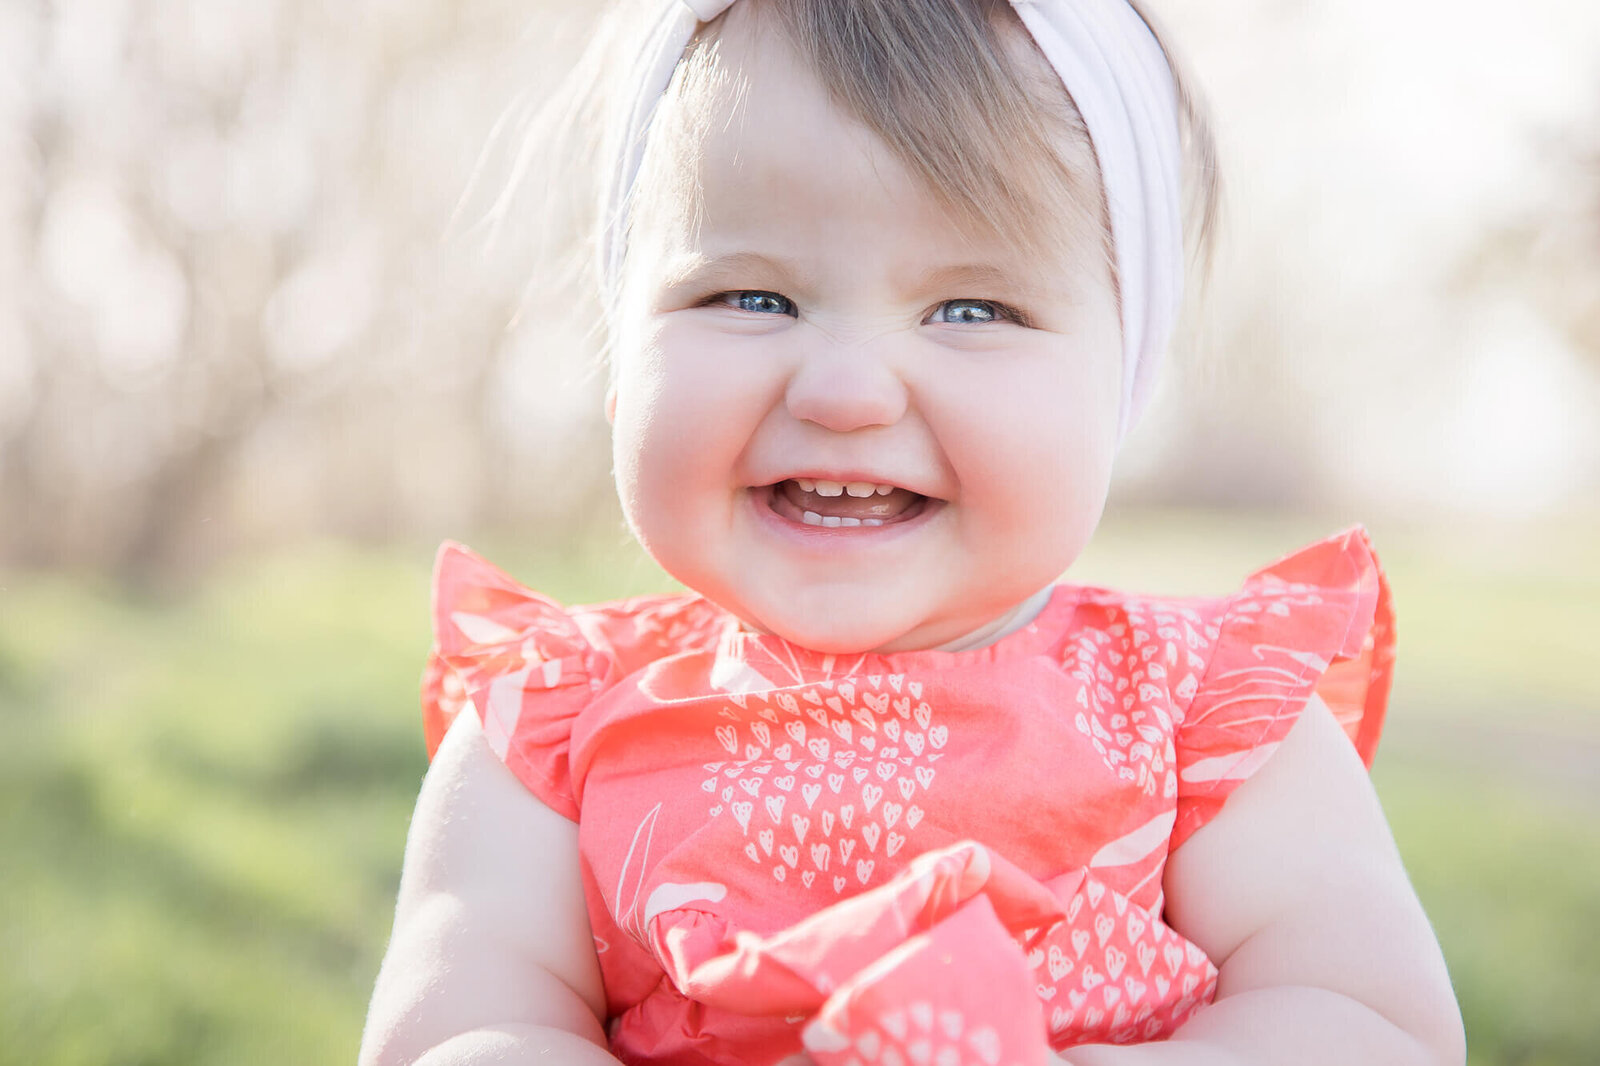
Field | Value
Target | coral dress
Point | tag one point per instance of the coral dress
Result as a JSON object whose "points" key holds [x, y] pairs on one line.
{"points": [[940, 857]]}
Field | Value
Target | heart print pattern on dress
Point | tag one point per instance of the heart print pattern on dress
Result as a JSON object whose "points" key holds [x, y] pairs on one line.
{"points": [[826, 780]]}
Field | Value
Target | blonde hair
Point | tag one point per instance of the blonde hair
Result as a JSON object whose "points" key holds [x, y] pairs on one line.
{"points": [[983, 122], [923, 75]]}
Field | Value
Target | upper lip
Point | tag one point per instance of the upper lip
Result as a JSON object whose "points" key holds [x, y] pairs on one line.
{"points": [[845, 478]]}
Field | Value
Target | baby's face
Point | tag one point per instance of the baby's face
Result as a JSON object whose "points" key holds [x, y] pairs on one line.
{"points": [[836, 413]]}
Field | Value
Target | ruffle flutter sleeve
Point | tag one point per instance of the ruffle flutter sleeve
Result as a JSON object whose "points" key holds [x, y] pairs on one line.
{"points": [[1319, 620], [519, 660]]}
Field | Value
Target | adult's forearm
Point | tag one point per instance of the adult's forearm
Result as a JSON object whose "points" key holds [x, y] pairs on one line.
{"points": [[1305, 1026]]}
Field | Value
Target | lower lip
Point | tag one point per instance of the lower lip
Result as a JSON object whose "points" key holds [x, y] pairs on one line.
{"points": [[762, 499]]}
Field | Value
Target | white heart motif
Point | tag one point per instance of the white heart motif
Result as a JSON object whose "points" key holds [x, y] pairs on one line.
{"points": [[841, 754]]}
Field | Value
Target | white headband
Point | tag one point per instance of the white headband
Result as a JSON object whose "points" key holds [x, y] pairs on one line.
{"points": [[1119, 78]]}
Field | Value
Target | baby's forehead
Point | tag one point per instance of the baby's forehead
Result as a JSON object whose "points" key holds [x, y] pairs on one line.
{"points": [[754, 100], [770, 121]]}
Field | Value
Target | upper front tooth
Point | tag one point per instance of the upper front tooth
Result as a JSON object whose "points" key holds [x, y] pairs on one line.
{"points": [[829, 488], [806, 484], [862, 489], [884, 490]]}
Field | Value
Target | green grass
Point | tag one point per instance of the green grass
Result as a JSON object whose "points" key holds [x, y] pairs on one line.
{"points": [[203, 802], [202, 807], [1509, 874]]}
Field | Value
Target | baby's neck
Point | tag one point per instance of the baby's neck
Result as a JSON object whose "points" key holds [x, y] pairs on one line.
{"points": [[1004, 626], [989, 633]]}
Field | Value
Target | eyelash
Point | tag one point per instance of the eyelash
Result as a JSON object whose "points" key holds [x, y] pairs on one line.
{"points": [[1002, 312]]}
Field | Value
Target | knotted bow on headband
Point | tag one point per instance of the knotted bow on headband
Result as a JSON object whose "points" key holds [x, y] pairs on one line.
{"points": [[1117, 75]]}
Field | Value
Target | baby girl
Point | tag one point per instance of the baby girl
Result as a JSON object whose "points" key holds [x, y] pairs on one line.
{"points": [[886, 284]]}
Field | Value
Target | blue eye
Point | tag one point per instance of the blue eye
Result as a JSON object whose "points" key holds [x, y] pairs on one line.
{"points": [[761, 303], [970, 312]]}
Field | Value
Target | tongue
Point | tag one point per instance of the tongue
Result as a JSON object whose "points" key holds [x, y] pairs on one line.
{"points": [[883, 508]]}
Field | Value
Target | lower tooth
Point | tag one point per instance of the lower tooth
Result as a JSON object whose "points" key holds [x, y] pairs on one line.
{"points": [[812, 518]]}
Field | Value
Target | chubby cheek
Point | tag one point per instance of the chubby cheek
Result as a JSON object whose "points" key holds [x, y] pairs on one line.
{"points": [[1080, 476], [1053, 507], [1038, 465], [654, 458], [678, 433], [633, 412]]}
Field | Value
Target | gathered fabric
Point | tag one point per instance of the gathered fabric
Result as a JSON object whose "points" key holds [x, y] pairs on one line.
{"points": [[958, 853], [1118, 77]]}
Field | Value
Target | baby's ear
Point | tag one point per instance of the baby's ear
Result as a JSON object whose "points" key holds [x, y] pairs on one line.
{"points": [[611, 404]]}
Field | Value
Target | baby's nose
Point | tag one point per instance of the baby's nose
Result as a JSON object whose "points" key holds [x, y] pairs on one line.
{"points": [[846, 387]]}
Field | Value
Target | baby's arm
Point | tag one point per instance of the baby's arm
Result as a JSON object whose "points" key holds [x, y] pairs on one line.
{"points": [[491, 959], [1325, 954]]}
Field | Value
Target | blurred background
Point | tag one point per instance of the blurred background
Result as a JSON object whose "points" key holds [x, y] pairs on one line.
{"points": [[257, 357]]}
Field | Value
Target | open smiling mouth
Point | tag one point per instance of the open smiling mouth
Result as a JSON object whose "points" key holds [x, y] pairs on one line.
{"points": [[839, 504]]}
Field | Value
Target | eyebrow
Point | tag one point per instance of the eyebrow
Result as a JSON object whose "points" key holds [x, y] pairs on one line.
{"points": [[975, 276], [694, 267], [961, 279]]}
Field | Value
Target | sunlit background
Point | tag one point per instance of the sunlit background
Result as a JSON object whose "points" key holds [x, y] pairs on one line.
{"points": [[257, 355]]}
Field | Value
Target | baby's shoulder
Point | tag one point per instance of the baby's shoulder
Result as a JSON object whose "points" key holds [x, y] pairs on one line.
{"points": [[475, 603], [530, 667], [1219, 681], [1308, 591], [640, 630], [1313, 605]]}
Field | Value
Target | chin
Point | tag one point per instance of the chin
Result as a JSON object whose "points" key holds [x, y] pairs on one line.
{"points": [[824, 632]]}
